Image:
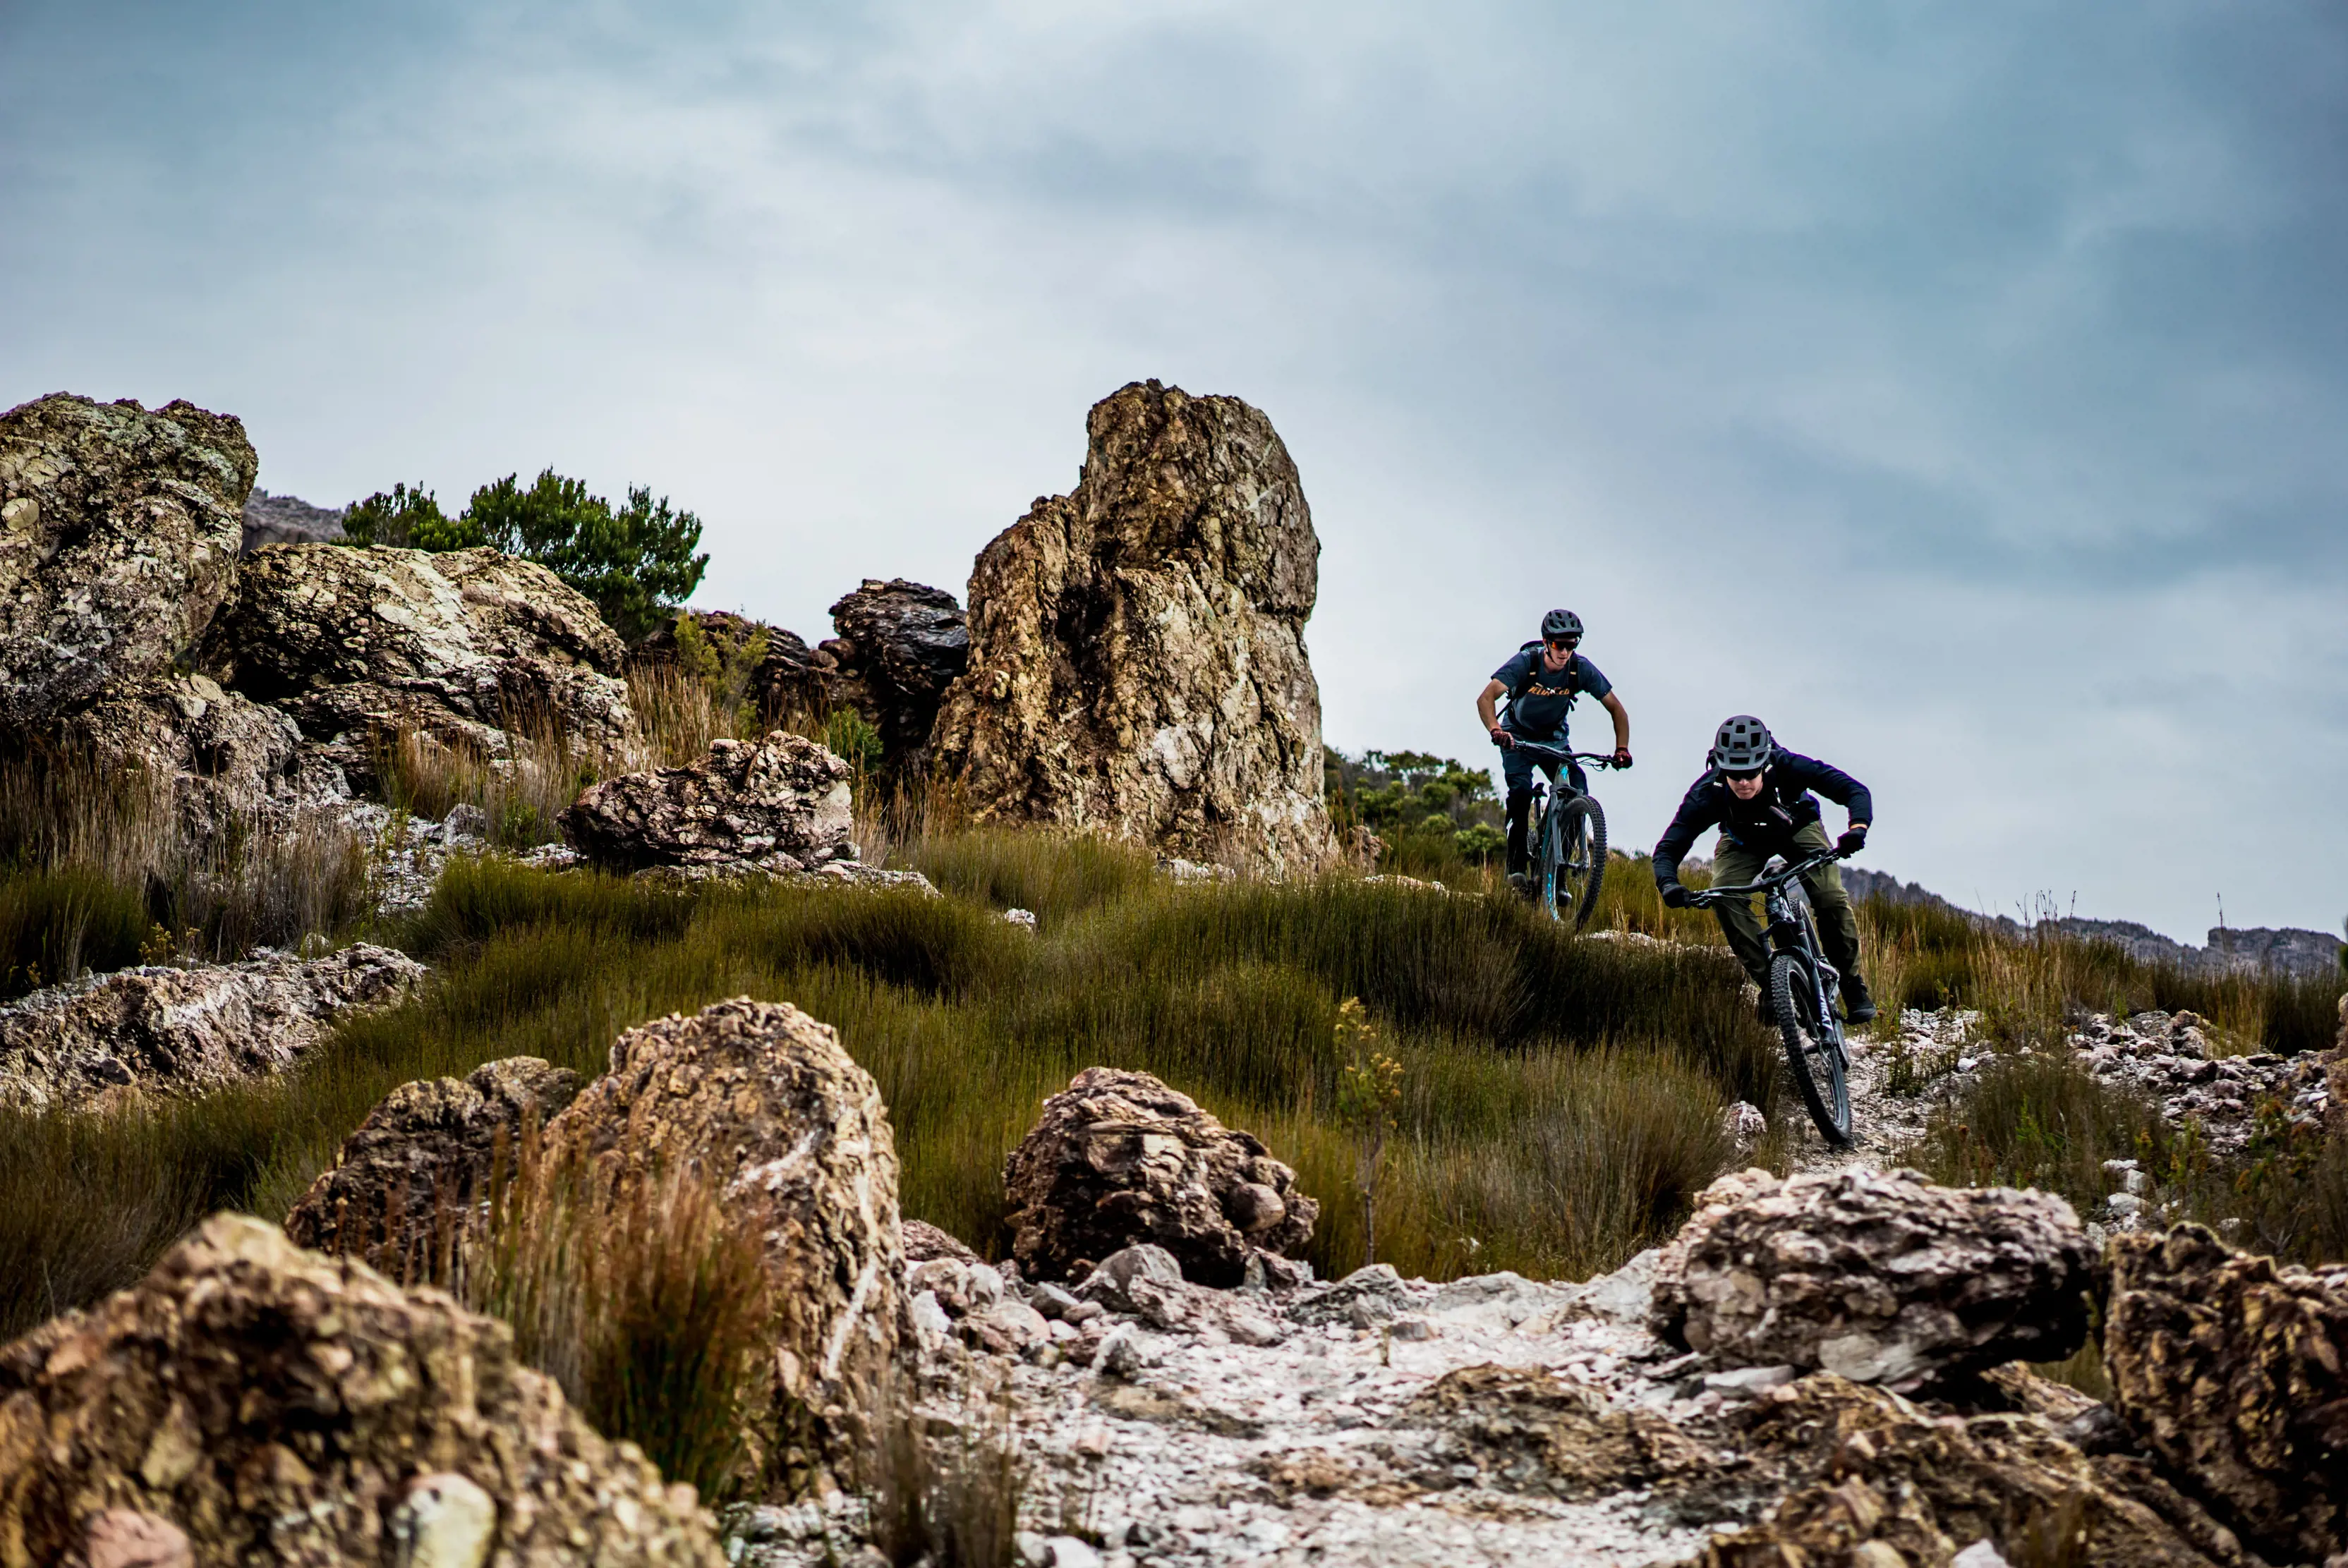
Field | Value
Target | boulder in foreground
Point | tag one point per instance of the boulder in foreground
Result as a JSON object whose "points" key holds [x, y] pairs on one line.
{"points": [[1878, 1276], [118, 535], [780, 805], [760, 1101], [1137, 647], [1119, 1158], [2233, 1369], [252, 1402], [428, 1152]]}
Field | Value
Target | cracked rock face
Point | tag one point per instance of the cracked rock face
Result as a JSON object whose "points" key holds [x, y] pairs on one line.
{"points": [[462, 645], [1878, 1276], [2234, 1371], [1119, 1158], [760, 1100], [184, 1031], [118, 535], [230, 762], [900, 644], [428, 1147], [781, 805], [248, 1401], [1137, 653]]}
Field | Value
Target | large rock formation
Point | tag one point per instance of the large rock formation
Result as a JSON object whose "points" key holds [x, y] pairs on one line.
{"points": [[232, 763], [1137, 660], [1878, 1276], [900, 646], [463, 646], [184, 1031], [760, 1100], [251, 1402], [1119, 1158], [118, 533], [424, 1155], [2234, 1371], [780, 806]]}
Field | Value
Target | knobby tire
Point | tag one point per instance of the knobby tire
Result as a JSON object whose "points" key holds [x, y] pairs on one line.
{"points": [[1584, 825], [1818, 1068]]}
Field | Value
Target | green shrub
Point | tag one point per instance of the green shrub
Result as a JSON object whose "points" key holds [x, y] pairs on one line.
{"points": [[409, 519], [635, 561]]}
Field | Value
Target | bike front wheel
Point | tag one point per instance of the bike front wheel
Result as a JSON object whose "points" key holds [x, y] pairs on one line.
{"points": [[1582, 860], [1813, 1049]]}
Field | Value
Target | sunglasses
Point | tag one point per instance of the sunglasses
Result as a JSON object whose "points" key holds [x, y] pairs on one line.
{"points": [[1747, 776]]}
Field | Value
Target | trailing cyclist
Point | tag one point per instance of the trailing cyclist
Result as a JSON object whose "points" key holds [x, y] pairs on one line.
{"points": [[1759, 794], [1542, 682]]}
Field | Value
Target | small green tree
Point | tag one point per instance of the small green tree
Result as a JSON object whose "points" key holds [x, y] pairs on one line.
{"points": [[1369, 1097], [636, 563], [410, 519], [725, 662]]}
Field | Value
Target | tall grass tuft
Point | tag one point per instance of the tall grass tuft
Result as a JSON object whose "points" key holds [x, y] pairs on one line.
{"points": [[54, 925], [648, 1305]]}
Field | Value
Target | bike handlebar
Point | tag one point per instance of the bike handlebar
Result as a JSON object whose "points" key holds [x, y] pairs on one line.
{"points": [[1557, 754], [1699, 897]]}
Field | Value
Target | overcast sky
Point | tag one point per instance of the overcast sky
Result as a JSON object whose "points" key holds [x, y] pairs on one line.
{"points": [[1964, 388]]}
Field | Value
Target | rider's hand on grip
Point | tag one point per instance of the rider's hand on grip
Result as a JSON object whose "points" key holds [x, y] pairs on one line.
{"points": [[1502, 738], [1622, 756], [1675, 895], [1853, 840]]}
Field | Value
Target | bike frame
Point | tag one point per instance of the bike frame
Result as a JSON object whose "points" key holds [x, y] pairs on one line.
{"points": [[1542, 824], [1790, 930]]}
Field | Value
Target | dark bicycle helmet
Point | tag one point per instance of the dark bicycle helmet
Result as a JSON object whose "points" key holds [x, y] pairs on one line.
{"points": [[1560, 623], [1741, 744]]}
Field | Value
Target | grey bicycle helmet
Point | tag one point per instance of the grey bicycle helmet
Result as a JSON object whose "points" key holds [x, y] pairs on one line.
{"points": [[1741, 744], [1560, 623]]}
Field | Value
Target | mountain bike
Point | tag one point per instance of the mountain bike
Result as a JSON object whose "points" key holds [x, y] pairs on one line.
{"points": [[1568, 832], [1803, 988]]}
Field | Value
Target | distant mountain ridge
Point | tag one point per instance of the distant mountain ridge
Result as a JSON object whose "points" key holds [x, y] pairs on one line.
{"points": [[288, 520], [2288, 949]]}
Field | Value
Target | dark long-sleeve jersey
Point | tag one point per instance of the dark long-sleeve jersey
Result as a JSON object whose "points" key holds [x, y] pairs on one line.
{"points": [[1770, 819]]}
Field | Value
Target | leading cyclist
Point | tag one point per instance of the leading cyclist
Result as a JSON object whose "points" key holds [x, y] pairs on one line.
{"points": [[1540, 682], [1759, 794]]}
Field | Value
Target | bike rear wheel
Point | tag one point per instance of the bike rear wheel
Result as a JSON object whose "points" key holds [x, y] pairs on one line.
{"points": [[1812, 1050], [1581, 864]]}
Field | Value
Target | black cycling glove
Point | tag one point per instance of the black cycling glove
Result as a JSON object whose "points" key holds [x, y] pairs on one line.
{"points": [[1853, 840], [1675, 895]]}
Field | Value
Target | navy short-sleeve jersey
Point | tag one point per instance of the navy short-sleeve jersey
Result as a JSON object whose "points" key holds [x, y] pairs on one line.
{"points": [[1541, 699]]}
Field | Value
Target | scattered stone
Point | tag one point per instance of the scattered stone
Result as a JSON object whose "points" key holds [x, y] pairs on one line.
{"points": [[1119, 1158], [1133, 1279], [1137, 653], [397, 1195], [1023, 918], [119, 535], [1880, 1277], [2234, 1371], [899, 645], [760, 1100], [1742, 1121], [185, 1031], [924, 1241], [1529, 1431], [778, 807], [459, 647], [248, 1401]]}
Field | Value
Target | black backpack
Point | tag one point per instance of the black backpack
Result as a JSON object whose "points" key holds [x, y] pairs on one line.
{"points": [[1534, 669]]}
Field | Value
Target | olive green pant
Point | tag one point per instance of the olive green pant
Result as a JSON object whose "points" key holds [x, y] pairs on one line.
{"points": [[1838, 926]]}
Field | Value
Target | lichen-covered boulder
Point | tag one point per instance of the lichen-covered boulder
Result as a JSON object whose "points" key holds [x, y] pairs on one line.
{"points": [[1877, 1275], [184, 1031], [1119, 1158], [230, 763], [423, 1157], [252, 1402], [119, 535], [1137, 647], [760, 1100], [2233, 1370], [780, 805], [464, 646], [900, 644]]}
